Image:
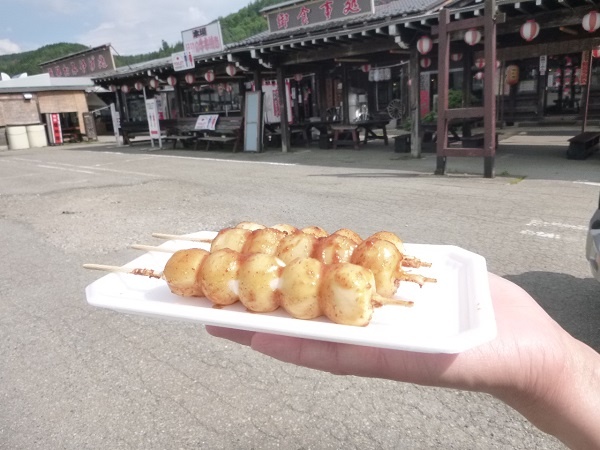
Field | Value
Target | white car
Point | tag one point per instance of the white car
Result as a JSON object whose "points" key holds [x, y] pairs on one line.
{"points": [[593, 244]]}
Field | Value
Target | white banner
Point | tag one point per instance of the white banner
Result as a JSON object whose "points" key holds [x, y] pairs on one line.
{"points": [[203, 40], [152, 115], [182, 61]]}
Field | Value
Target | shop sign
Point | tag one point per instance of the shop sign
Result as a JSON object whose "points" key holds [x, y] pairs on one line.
{"points": [[203, 40], [95, 60], [320, 11], [380, 74], [153, 121], [585, 68], [182, 61]]}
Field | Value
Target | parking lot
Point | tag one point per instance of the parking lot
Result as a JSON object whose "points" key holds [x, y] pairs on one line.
{"points": [[77, 377]]}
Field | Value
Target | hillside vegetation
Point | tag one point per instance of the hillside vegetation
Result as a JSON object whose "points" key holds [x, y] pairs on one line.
{"points": [[236, 26]]}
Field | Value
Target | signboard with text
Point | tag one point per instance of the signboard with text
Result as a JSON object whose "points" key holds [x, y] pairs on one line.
{"points": [[319, 11], [83, 64], [152, 115], [182, 61], [203, 40]]}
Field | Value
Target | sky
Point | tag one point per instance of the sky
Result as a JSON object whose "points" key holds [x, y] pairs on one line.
{"points": [[130, 26]]}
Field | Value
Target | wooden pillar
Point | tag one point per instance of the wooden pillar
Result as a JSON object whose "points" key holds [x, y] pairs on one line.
{"points": [[321, 91], [345, 94], [443, 76], [489, 100], [414, 103], [285, 129], [467, 86]]}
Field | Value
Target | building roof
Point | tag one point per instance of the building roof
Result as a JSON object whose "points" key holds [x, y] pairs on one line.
{"points": [[44, 82]]}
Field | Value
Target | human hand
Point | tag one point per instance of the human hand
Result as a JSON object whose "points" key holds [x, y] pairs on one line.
{"points": [[523, 366]]}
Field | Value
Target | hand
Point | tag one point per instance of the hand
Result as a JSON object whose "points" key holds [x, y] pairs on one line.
{"points": [[533, 364]]}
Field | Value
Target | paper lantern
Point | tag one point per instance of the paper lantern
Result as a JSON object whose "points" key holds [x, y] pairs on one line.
{"points": [[591, 21], [557, 82], [112, 88], [209, 76], [124, 89], [512, 74], [190, 78], [154, 83], [425, 62], [229, 88], [473, 36], [231, 70], [298, 77], [365, 67], [497, 64], [456, 56], [139, 85], [480, 63], [478, 76], [424, 45], [171, 80], [530, 30], [596, 52]]}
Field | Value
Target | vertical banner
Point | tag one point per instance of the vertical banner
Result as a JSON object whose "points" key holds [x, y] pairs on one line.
{"points": [[54, 130], [543, 64], [272, 114], [153, 121], [424, 90], [585, 68]]}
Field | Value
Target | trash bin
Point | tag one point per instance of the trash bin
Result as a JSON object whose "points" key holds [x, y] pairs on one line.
{"points": [[17, 137], [402, 143], [37, 135]]}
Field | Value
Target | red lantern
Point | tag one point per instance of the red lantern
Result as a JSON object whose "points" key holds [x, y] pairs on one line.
{"points": [[124, 89], [425, 62], [456, 56], [154, 83], [473, 36], [210, 76], [138, 85], [591, 21], [171, 80], [424, 45], [190, 78], [478, 76], [298, 77], [512, 74], [530, 30], [112, 88], [596, 52], [231, 70], [365, 67], [480, 63]]}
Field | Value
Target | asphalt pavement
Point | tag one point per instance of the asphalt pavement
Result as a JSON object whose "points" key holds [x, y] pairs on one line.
{"points": [[77, 377]]}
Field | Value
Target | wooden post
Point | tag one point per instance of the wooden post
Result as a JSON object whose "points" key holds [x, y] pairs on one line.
{"points": [[414, 103], [285, 129], [443, 76], [345, 94], [587, 92], [467, 86], [489, 101]]}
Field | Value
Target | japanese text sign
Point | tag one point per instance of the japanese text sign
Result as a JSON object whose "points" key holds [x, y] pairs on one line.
{"points": [[82, 64], [203, 40], [182, 61], [319, 11]]}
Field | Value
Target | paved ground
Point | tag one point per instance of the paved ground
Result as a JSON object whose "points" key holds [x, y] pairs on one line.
{"points": [[77, 377]]}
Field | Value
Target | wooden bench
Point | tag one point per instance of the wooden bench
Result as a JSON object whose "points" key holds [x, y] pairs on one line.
{"points": [[134, 129], [180, 130], [227, 129], [583, 145], [345, 135]]}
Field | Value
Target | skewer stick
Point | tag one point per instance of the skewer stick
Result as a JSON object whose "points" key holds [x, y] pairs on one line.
{"points": [[151, 248], [145, 272], [378, 300], [181, 237]]}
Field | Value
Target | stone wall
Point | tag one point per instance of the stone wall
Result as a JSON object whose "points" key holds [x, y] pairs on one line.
{"points": [[16, 110]]}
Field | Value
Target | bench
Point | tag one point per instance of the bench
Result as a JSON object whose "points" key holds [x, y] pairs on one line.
{"points": [[345, 135], [227, 129], [134, 129], [583, 145], [180, 130]]}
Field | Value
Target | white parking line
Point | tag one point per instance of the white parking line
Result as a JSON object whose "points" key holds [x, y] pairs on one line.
{"points": [[541, 223], [540, 234], [589, 183], [65, 168]]}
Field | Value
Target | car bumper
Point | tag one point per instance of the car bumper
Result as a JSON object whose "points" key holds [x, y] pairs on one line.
{"points": [[593, 245]]}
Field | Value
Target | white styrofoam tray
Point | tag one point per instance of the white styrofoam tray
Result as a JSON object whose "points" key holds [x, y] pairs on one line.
{"points": [[449, 316]]}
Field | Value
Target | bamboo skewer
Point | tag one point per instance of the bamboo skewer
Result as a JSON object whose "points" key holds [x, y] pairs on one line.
{"points": [[181, 237], [119, 269]]}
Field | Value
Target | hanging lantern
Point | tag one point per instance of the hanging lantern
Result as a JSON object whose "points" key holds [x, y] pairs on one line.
{"points": [[568, 61], [154, 83], [530, 30], [139, 85], [568, 72], [498, 64], [557, 82], [298, 77], [512, 74], [425, 62], [478, 76], [231, 70], [112, 88], [220, 88], [591, 21], [365, 68], [124, 89], [456, 57], [190, 78], [473, 36], [558, 73], [229, 88], [209, 76], [480, 63], [596, 52], [424, 45]]}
